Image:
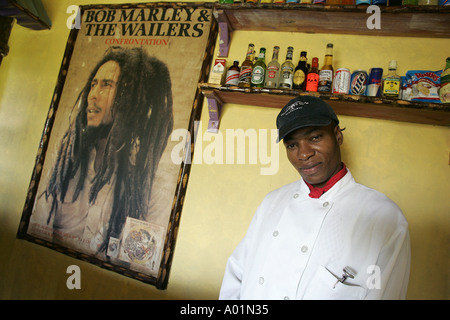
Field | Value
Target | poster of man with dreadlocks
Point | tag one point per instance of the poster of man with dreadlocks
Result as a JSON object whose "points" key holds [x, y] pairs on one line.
{"points": [[108, 182]]}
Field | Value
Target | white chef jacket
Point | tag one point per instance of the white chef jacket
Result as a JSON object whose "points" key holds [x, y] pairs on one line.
{"points": [[296, 247]]}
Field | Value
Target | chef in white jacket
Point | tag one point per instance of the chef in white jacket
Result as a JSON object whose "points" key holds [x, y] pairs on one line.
{"points": [[324, 236]]}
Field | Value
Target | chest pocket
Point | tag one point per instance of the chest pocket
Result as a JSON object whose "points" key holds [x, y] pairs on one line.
{"points": [[321, 288]]}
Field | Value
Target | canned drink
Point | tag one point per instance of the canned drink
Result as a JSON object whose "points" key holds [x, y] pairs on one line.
{"points": [[374, 82], [358, 82], [341, 83]]}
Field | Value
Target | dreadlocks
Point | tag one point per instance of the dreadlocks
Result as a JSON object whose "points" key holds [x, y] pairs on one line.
{"points": [[135, 141]]}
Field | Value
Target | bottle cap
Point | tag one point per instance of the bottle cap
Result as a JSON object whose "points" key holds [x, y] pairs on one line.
{"points": [[393, 64]]}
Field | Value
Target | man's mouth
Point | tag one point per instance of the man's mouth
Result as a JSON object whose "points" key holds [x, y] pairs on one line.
{"points": [[93, 109], [310, 168]]}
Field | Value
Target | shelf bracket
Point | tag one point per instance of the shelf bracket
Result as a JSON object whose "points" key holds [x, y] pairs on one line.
{"points": [[214, 108], [225, 32]]}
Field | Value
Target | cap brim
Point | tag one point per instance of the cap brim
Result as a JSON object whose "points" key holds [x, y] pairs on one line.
{"points": [[297, 123]]}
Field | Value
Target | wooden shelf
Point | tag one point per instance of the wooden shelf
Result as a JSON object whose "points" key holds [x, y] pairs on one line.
{"points": [[408, 21], [343, 104]]}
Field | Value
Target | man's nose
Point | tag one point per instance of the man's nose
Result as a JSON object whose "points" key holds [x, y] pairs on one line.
{"points": [[94, 92], [304, 151]]}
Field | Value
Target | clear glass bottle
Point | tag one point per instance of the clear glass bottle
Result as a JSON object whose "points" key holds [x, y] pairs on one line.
{"points": [[391, 83], [245, 74], [444, 90], [300, 72], [327, 71], [287, 71], [273, 70], [259, 70]]}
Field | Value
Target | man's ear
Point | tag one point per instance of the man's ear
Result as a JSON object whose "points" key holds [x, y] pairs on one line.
{"points": [[338, 134]]}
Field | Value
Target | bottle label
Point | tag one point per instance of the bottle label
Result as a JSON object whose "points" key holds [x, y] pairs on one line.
{"points": [[286, 77], [325, 80], [232, 78], [272, 72], [245, 75], [258, 75], [312, 82], [391, 87], [299, 77]]}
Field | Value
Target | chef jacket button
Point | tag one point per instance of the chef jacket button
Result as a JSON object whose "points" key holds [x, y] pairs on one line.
{"points": [[286, 298], [275, 233], [261, 280], [304, 249], [296, 196], [325, 204]]}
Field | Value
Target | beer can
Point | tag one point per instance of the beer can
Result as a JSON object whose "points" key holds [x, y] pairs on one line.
{"points": [[374, 82], [341, 83], [358, 82]]}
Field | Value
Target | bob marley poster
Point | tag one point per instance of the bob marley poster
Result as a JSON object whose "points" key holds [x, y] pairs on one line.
{"points": [[105, 188]]}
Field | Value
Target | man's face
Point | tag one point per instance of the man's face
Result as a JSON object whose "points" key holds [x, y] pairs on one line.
{"points": [[315, 152], [102, 94]]}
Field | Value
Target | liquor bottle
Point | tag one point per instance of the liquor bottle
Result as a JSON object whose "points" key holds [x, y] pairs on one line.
{"points": [[259, 70], [273, 70], [245, 75], [232, 78], [444, 90], [312, 79], [326, 72], [287, 70], [300, 73], [391, 83]]}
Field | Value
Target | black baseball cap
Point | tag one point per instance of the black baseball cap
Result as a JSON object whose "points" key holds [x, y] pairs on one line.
{"points": [[304, 111]]}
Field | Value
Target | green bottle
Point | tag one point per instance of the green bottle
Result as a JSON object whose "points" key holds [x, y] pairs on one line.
{"points": [[259, 70]]}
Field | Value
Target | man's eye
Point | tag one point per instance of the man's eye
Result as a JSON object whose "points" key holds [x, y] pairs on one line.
{"points": [[315, 138], [290, 146]]}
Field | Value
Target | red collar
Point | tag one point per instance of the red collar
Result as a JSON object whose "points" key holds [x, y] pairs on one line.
{"points": [[318, 192]]}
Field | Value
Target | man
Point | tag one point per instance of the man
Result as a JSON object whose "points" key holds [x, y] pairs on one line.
{"points": [[108, 157], [324, 236]]}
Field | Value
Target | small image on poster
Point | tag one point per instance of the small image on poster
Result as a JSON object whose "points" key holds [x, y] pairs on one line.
{"points": [[141, 245]]}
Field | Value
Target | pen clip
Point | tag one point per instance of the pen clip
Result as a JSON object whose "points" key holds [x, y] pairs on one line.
{"points": [[348, 273]]}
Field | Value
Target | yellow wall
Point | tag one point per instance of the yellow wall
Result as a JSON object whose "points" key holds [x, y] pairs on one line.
{"points": [[407, 162]]}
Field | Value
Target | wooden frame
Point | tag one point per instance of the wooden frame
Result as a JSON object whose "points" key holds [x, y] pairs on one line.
{"points": [[119, 207]]}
